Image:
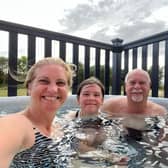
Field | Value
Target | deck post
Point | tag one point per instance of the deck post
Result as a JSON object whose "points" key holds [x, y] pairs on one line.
{"points": [[116, 66]]}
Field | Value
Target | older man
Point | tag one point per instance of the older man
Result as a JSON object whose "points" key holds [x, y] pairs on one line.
{"points": [[137, 87]]}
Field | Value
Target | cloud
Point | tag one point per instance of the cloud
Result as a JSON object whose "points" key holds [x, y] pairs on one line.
{"points": [[139, 30], [79, 18], [102, 36], [113, 18]]}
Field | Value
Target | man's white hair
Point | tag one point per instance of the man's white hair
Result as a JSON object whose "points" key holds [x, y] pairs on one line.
{"points": [[135, 70]]}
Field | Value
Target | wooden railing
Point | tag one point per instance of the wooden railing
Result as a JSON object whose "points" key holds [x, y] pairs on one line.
{"points": [[116, 57]]}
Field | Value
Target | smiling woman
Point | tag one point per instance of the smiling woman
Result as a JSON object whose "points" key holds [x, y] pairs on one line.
{"points": [[47, 82], [90, 96]]}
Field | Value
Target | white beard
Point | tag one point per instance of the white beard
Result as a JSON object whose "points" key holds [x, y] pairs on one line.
{"points": [[137, 98]]}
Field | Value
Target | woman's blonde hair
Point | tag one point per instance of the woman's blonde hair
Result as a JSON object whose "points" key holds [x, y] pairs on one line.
{"points": [[69, 68]]}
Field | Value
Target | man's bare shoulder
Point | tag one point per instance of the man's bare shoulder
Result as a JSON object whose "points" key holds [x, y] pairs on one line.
{"points": [[115, 99], [157, 108], [113, 102]]}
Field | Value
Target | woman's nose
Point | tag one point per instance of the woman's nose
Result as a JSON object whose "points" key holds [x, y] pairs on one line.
{"points": [[91, 96], [53, 87]]}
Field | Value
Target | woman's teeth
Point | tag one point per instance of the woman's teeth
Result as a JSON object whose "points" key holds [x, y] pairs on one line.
{"points": [[52, 98]]}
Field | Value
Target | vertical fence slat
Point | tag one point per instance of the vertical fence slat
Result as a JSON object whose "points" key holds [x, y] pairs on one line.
{"points": [[87, 62], [155, 70], [126, 61], [144, 57], [126, 66], [76, 62], [13, 52], [116, 74], [134, 58], [166, 70], [97, 63], [47, 47], [107, 71], [116, 66], [31, 50], [62, 50]]}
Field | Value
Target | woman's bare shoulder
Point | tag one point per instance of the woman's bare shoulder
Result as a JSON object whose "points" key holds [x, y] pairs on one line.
{"points": [[16, 124], [7, 119], [18, 129], [14, 118]]}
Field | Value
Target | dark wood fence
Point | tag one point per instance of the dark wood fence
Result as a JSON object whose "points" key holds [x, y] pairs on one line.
{"points": [[117, 56]]}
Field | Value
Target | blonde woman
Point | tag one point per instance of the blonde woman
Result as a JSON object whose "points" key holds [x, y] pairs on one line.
{"points": [[27, 136]]}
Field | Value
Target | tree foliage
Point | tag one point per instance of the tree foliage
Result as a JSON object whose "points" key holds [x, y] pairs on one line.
{"points": [[21, 68], [22, 65], [3, 69]]}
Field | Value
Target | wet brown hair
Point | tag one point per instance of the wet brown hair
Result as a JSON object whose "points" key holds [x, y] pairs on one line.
{"points": [[91, 80]]}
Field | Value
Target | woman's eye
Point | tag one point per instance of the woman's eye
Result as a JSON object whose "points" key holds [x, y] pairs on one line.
{"points": [[61, 83], [43, 81], [85, 94], [97, 95]]}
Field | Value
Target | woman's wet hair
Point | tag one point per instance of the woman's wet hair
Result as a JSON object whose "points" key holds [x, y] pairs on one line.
{"points": [[69, 68], [88, 81]]}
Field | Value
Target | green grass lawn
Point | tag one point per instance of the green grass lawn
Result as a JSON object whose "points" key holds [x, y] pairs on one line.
{"points": [[3, 91], [20, 91]]}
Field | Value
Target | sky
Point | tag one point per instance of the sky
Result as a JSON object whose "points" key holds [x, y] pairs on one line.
{"points": [[100, 20]]}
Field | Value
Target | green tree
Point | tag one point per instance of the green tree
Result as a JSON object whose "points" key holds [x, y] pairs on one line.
{"points": [[102, 73], [3, 64], [22, 65], [79, 72], [3, 69], [20, 74]]}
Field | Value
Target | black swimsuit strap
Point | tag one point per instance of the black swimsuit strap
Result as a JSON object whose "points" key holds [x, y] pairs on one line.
{"points": [[77, 114]]}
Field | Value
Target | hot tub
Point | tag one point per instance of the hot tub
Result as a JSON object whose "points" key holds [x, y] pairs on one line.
{"points": [[16, 103], [140, 153]]}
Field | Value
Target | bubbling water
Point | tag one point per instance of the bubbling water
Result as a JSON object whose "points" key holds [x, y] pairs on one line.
{"points": [[106, 143]]}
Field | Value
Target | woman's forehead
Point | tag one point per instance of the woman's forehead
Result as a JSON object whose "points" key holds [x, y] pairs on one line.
{"points": [[93, 86]]}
